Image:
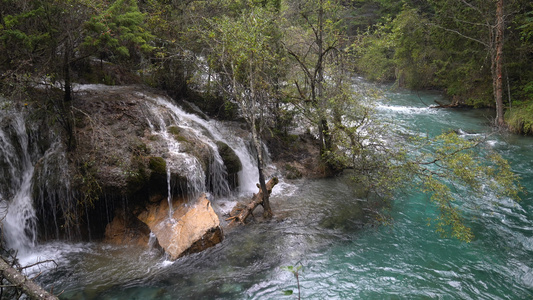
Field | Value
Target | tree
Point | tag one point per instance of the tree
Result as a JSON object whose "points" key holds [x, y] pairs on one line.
{"points": [[314, 42], [24, 27], [22, 283], [482, 22], [242, 54], [119, 31], [497, 62], [383, 165]]}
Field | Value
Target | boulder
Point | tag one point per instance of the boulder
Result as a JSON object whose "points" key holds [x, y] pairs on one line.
{"points": [[191, 228], [231, 161]]}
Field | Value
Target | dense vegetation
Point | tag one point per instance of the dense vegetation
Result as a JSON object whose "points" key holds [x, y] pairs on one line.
{"points": [[455, 46], [278, 64], [440, 44]]}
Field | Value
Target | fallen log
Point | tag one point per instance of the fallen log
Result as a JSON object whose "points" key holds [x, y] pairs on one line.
{"points": [[241, 212], [23, 283]]}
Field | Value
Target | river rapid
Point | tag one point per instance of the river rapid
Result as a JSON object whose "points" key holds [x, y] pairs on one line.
{"points": [[324, 227]]}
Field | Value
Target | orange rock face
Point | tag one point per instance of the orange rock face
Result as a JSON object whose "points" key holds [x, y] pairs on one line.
{"points": [[192, 227], [126, 232]]}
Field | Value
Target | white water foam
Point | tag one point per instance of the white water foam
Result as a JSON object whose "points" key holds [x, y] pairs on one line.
{"points": [[18, 214], [406, 109], [249, 174]]}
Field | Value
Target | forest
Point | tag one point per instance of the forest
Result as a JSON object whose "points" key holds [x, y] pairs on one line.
{"points": [[286, 71], [478, 52]]}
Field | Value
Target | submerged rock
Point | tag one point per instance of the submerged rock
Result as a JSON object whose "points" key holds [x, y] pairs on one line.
{"points": [[191, 228]]}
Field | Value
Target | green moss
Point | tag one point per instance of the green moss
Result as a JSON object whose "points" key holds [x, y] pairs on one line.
{"points": [[231, 160], [158, 165], [175, 130], [520, 118], [139, 148], [181, 138]]}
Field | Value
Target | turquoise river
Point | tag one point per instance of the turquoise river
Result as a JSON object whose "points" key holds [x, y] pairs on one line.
{"points": [[322, 226]]}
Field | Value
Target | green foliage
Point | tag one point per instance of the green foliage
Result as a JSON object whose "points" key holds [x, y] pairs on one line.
{"points": [[120, 30], [25, 37], [375, 53], [400, 49], [453, 164], [88, 186], [242, 52], [526, 26], [440, 44], [445, 167], [296, 272], [414, 54], [520, 118]]}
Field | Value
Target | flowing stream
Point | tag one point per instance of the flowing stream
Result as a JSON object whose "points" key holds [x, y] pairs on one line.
{"points": [[323, 226]]}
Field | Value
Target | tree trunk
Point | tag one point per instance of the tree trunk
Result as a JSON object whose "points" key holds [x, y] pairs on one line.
{"points": [[267, 213], [240, 214], [66, 73], [498, 64], [323, 128], [30, 288]]}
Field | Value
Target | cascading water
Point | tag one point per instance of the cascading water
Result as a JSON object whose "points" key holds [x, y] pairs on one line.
{"points": [[248, 176], [35, 176], [169, 196], [17, 211], [53, 189], [176, 158]]}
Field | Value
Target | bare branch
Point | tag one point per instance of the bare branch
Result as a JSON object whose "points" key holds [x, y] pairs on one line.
{"points": [[461, 34]]}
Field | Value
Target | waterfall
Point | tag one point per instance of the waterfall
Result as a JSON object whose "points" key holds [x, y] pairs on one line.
{"points": [[175, 157], [169, 197], [217, 179], [212, 132], [17, 212], [36, 192], [53, 190]]}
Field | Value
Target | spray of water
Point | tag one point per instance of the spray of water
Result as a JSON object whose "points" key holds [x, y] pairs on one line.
{"points": [[17, 211]]}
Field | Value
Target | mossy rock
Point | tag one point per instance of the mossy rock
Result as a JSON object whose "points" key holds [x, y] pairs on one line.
{"points": [[177, 133], [175, 130], [231, 160], [158, 165], [292, 172], [136, 181]]}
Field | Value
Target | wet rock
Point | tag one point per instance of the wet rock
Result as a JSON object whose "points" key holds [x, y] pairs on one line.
{"points": [[127, 136], [191, 228], [126, 231], [231, 161]]}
